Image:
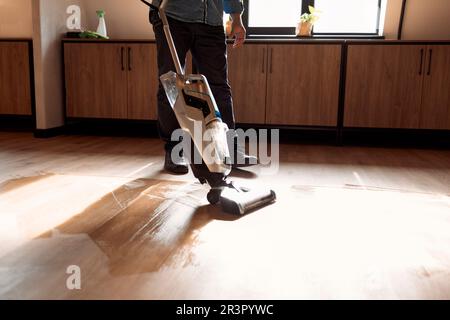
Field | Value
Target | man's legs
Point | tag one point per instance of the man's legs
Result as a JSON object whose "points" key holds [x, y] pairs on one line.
{"points": [[209, 51], [167, 122]]}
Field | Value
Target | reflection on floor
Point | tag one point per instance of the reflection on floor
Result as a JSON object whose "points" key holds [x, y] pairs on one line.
{"points": [[349, 223]]}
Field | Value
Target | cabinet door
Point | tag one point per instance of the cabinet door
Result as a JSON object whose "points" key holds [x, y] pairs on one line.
{"points": [[303, 84], [15, 93], [384, 86], [142, 81], [247, 70], [435, 110], [96, 80]]}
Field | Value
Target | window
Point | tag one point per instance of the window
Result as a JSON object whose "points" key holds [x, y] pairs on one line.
{"points": [[263, 18], [264, 15], [338, 17], [348, 16]]}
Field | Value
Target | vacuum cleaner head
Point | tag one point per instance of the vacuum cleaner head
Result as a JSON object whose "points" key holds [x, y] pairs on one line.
{"points": [[240, 202]]}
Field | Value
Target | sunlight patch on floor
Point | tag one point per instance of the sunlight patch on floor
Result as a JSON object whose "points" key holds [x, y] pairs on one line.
{"points": [[30, 209]]}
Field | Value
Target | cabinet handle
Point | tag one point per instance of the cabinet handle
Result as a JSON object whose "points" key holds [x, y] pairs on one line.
{"points": [[430, 62], [122, 51], [264, 61], [129, 59], [421, 61], [271, 60]]}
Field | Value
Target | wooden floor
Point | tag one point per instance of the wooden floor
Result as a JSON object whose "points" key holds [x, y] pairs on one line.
{"points": [[350, 222]]}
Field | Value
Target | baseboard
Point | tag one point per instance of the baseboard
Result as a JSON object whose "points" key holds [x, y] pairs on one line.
{"points": [[298, 134], [402, 138], [112, 127], [405, 138], [49, 133], [17, 123]]}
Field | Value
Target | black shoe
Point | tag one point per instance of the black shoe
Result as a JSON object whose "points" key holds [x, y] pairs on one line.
{"points": [[243, 160], [179, 166]]}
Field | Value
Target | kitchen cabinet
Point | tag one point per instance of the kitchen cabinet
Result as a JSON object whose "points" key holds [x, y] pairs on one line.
{"points": [[400, 86], [110, 80], [142, 81], [248, 79], [435, 108], [303, 84], [96, 80], [286, 84], [15, 84], [386, 84]]}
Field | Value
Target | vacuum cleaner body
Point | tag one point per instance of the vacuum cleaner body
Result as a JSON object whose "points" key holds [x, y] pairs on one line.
{"points": [[196, 110], [197, 113]]}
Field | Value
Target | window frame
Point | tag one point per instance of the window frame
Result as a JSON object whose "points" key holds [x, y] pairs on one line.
{"points": [[281, 31]]}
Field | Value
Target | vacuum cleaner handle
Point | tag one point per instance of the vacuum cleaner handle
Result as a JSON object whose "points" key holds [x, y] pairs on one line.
{"points": [[160, 5], [170, 42], [151, 4]]}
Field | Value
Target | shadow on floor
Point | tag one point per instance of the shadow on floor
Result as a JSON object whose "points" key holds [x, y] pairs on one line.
{"points": [[146, 224]]}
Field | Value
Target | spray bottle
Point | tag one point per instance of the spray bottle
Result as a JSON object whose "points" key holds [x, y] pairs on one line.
{"points": [[101, 24]]}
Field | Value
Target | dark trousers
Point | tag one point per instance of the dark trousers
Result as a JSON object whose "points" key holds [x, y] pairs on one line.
{"points": [[207, 45]]}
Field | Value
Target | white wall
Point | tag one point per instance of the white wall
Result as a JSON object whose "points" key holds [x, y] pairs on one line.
{"points": [[15, 19], [427, 19], [393, 11], [125, 19], [49, 26], [424, 19]]}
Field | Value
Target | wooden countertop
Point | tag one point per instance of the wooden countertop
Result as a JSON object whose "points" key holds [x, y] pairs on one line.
{"points": [[15, 39], [277, 40], [78, 40]]}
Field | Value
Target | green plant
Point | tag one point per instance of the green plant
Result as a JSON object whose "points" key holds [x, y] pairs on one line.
{"points": [[87, 34], [310, 17]]}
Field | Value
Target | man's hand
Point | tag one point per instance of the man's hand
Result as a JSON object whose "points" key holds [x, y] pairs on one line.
{"points": [[238, 30]]}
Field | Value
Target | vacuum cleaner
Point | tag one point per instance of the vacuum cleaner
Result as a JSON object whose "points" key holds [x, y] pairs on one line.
{"points": [[193, 103]]}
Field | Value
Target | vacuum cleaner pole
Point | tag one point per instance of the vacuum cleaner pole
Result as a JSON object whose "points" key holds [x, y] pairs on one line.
{"points": [[170, 42]]}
